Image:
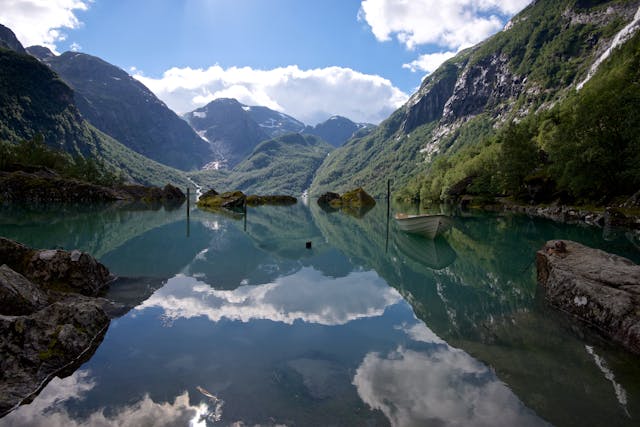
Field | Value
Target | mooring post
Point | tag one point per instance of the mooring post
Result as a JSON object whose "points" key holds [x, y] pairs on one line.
{"points": [[386, 245], [244, 208], [188, 211]]}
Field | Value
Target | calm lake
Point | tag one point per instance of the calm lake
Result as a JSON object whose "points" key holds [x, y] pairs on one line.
{"points": [[237, 323]]}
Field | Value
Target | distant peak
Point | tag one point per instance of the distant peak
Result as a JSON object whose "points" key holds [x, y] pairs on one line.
{"points": [[40, 52]]}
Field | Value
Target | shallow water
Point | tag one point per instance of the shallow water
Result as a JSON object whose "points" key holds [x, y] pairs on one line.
{"points": [[237, 322]]}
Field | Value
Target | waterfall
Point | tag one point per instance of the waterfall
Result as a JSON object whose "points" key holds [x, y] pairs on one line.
{"points": [[625, 34]]}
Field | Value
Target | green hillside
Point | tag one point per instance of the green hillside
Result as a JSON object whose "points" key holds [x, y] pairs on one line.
{"points": [[283, 165], [529, 69]]}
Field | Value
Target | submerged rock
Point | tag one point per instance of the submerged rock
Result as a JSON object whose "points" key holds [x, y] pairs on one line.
{"points": [[601, 289], [281, 200], [50, 320]]}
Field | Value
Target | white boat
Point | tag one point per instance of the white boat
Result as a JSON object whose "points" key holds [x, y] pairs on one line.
{"points": [[426, 224]]}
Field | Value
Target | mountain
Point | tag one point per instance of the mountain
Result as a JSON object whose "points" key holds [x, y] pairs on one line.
{"points": [[285, 164], [282, 165], [451, 128], [229, 128], [122, 107], [274, 123], [8, 40], [34, 100], [337, 130]]}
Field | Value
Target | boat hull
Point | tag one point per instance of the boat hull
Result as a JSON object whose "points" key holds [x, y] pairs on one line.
{"points": [[426, 225]]}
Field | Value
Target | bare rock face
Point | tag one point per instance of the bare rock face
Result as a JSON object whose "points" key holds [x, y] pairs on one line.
{"points": [[601, 289], [18, 295], [50, 320]]}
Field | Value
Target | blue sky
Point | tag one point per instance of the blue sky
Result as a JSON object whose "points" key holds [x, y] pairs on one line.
{"points": [[358, 58]]}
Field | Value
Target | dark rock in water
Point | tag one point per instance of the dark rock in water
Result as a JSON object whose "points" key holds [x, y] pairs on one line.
{"points": [[281, 200], [356, 198], [601, 289], [50, 320], [18, 295], [615, 218], [327, 198]]}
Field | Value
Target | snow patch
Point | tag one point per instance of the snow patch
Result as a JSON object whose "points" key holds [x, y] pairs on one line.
{"points": [[245, 108], [200, 114], [580, 301]]}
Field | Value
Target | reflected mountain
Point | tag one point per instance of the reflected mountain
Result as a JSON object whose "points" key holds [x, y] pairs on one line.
{"points": [[96, 229], [432, 253]]}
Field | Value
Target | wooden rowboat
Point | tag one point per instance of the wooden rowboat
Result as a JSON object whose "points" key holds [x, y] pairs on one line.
{"points": [[427, 225]]}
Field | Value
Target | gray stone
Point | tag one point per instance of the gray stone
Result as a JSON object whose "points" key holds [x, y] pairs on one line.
{"points": [[600, 289], [18, 295]]}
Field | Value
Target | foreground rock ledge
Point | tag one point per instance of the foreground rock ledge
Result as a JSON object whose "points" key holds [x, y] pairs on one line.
{"points": [[599, 288], [51, 316]]}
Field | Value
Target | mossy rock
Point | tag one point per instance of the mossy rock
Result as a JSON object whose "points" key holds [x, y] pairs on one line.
{"points": [[228, 200], [356, 198]]}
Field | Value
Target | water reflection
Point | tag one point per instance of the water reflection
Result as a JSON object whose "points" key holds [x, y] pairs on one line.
{"points": [[306, 295], [356, 331]]}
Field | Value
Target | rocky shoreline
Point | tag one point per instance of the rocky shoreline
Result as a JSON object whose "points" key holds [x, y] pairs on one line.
{"points": [[46, 186], [52, 316]]}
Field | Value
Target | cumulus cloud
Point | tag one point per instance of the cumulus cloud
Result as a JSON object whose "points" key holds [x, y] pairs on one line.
{"points": [[306, 295], [429, 62], [451, 25], [441, 386], [48, 409], [448, 23], [311, 96], [41, 22]]}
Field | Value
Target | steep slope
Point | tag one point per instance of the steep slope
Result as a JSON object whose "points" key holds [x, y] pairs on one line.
{"points": [[8, 40], [230, 130], [273, 123], [34, 100], [285, 164], [540, 57], [125, 109], [337, 130]]}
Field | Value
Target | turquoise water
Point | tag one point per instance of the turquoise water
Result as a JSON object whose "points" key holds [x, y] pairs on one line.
{"points": [[237, 323]]}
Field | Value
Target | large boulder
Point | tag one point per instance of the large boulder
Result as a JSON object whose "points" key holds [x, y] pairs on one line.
{"points": [[327, 198], [55, 269], [50, 318], [36, 347], [601, 289], [230, 200], [18, 295]]}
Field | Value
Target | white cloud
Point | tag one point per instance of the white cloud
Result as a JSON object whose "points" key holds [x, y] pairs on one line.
{"points": [[75, 47], [448, 23], [306, 295], [440, 386], [429, 62], [40, 22], [311, 96], [48, 409]]}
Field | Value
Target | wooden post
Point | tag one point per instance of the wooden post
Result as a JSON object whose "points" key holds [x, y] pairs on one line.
{"points": [[244, 207], [386, 245], [188, 211]]}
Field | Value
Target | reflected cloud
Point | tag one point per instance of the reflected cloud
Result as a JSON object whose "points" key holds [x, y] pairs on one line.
{"points": [[47, 410], [306, 295], [440, 386]]}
